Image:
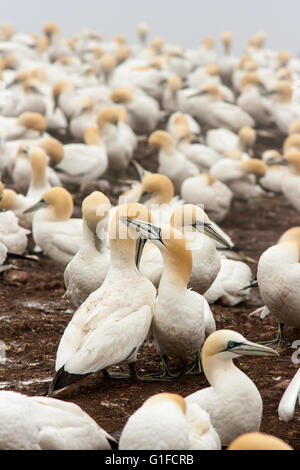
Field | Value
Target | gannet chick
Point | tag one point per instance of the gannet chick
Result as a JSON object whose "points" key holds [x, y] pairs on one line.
{"points": [[178, 324], [84, 162], [258, 441], [278, 287], [43, 423], [87, 270], [232, 401], [172, 163], [240, 176], [290, 182], [38, 183], [113, 322], [53, 230], [118, 137], [286, 407], [143, 110], [272, 181], [214, 195], [166, 422]]}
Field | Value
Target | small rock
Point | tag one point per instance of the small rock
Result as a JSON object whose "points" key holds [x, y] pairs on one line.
{"points": [[16, 277]]}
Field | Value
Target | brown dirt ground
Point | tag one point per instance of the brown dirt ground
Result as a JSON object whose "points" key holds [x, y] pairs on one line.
{"points": [[33, 316]]}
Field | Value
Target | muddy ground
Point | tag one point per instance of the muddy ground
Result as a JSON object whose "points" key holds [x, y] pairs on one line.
{"points": [[33, 316]]}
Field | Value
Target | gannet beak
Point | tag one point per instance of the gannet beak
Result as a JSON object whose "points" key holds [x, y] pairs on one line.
{"points": [[208, 230], [37, 206], [269, 93], [272, 162], [1, 197], [140, 170], [283, 162], [247, 348], [141, 242], [146, 230], [144, 197], [197, 93]]}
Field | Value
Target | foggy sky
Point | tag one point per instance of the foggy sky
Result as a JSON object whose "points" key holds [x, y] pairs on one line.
{"points": [[185, 22]]}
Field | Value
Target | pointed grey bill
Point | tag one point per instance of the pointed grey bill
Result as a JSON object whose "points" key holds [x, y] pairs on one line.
{"points": [[141, 242], [140, 170], [247, 348], [144, 197], [146, 229], [208, 230], [36, 207]]}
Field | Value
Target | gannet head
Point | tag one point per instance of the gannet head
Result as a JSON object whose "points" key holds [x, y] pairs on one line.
{"points": [[167, 397], [142, 31], [295, 127], [38, 162], [157, 189], [208, 42], [39, 74], [120, 39], [50, 29], [212, 70], [251, 79], [284, 73], [23, 149], [58, 202], [210, 90], [174, 83], [8, 199], [61, 87], [86, 106], [290, 235], [271, 157], [293, 159], [283, 92], [95, 209], [11, 62], [247, 136], [258, 441], [158, 44], [253, 166], [234, 154], [31, 85], [7, 31], [194, 217], [53, 148], [123, 53], [111, 115], [122, 95], [107, 64], [161, 140], [228, 344], [92, 136], [226, 37], [284, 57], [42, 44], [32, 120], [291, 143]]}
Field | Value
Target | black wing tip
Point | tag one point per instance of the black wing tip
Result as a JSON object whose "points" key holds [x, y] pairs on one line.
{"points": [[113, 443], [62, 379]]}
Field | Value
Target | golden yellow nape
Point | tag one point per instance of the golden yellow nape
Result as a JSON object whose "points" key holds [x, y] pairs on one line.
{"points": [[118, 228], [159, 186], [258, 441], [163, 397], [111, 115], [95, 208], [60, 202], [290, 234], [161, 140], [33, 120]]}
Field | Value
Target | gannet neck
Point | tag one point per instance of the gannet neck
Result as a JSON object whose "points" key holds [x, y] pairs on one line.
{"points": [[92, 239], [221, 372]]}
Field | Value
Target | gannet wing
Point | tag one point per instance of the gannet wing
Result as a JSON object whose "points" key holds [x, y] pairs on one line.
{"points": [[286, 408]]}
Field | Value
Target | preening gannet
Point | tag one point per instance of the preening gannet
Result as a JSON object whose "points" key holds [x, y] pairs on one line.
{"points": [[166, 422]]}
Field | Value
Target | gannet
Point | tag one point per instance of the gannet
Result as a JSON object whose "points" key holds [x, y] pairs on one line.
{"points": [[53, 230], [113, 322], [214, 195], [84, 162], [118, 137], [27, 126], [278, 287], [232, 401], [43, 423], [272, 181], [172, 163], [286, 407], [291, 178], [166, 422], [87, 270]]}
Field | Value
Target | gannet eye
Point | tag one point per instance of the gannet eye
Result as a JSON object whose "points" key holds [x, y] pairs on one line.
{"points": [[231, 344]]}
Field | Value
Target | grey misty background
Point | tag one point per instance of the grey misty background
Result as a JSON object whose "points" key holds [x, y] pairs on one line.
{"points": [[184, 22]]}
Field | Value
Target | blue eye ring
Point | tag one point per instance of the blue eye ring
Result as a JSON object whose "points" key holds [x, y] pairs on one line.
{"points": [[231, 344]]}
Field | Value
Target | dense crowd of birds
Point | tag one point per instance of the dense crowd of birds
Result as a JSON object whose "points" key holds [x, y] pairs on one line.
{"points": [[152, 265]]}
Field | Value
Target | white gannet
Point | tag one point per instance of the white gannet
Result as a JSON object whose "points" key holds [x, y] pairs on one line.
{"points": [[178, 324], [240, 175], [232, 401], [43, 423], [172, 162], [84, 162], [87, 270], [253, 101], [166, 422], [272, 181], [284, 111], [214, 195], [143, 110], [118, 137], [278, 287], [291, 178], [53, 230], [258, 441], [113, 322], [12, 235], [287, 404], [28, 125]]}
